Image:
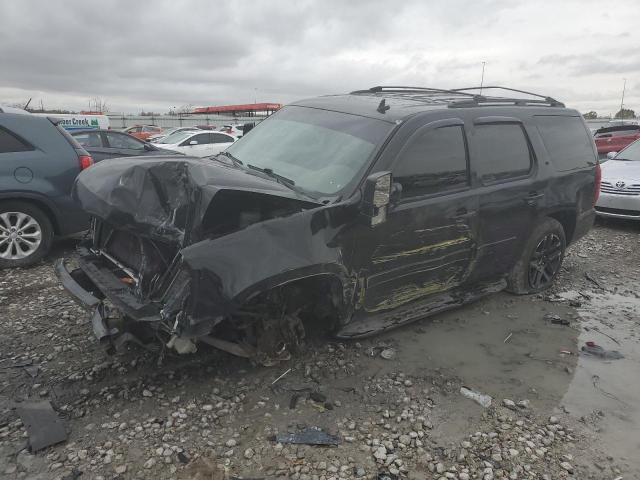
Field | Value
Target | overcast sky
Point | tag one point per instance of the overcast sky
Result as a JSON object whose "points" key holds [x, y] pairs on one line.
{"points": [[163, 54]]}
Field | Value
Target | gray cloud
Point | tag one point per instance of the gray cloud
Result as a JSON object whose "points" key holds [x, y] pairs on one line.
{"points": [[166, 53]]}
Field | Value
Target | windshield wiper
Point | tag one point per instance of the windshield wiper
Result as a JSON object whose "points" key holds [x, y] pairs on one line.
{"points": [[272, 174], [230, 156]]}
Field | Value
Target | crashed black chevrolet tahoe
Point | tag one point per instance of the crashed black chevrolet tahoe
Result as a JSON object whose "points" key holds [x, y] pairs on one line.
{"points": [[350, 213]]}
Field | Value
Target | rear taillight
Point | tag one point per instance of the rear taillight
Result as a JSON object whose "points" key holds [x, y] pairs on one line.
{"points": [[598, 181], [85, 161]]}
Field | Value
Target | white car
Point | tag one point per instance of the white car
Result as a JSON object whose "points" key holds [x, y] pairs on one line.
{"points": [[170, 131], [620, 187], [198, 143], [235, 130]]}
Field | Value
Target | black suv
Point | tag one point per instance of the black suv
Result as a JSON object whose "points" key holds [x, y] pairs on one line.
{"points": [[39, 162], [358, 212]]}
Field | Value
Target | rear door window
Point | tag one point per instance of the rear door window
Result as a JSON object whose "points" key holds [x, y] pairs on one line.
{"points": [[89, 139], [567, 141], [221, 138], [201, 138], [119, 140], [9, 142], [501, 152], [433, 161]]}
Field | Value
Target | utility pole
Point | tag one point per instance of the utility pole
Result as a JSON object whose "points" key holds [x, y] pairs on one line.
{"points": [[624, 86], [255, 95], [482, 77]]}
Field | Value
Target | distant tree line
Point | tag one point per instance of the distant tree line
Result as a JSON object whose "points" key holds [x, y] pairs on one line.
{"points": [[621, 114]]}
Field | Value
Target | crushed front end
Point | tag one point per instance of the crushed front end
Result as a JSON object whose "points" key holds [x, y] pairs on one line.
{"points": [[136, 288], [182, 251]]}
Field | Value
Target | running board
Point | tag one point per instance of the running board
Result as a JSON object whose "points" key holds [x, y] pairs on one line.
{"points": [[365, 325]]}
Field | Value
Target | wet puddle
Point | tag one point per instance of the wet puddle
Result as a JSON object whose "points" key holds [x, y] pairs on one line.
{"points": [[501, 346], [606, 393], [505, 347]]}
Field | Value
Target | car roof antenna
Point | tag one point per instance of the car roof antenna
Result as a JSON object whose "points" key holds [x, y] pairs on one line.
{"points": [[383, 107]]}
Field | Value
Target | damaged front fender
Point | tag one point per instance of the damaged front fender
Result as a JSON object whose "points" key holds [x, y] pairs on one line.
{"points": [[228, 271]]}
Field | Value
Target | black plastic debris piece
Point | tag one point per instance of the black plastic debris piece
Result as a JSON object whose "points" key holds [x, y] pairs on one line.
{"points": [[593, 280], [32, 370], [23, 363], [73, 474], [308, 436], [556, 319], [317, 397], [591, 348], [386, 476], [42, 423], [294, 401]]}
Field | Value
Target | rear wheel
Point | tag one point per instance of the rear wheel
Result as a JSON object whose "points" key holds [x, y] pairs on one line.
{"points": [[26, 234], [541, 259]]}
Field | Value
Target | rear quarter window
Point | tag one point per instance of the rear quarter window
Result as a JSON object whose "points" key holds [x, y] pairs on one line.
{"points": [[567, 141], [10, 142]]}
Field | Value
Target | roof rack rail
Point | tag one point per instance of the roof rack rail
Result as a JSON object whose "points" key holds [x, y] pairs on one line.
{"points": [[546, 98], [460, 97], [401, 89]]}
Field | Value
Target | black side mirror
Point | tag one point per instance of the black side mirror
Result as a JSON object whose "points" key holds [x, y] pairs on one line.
{"points": [[148, 147], [376, 197]]}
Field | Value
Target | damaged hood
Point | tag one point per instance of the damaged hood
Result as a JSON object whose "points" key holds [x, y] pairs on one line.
{"points": [[167, 198]]}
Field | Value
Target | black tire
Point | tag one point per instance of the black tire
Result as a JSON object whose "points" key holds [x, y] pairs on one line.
{"points": [[33, 253], [541, 259]]}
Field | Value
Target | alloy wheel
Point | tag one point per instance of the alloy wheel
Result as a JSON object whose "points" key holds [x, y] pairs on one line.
{"points": [[20, 235], [545, 261]]}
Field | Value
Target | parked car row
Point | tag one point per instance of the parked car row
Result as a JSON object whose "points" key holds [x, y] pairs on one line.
{"points": [[198, 143], [103, 144], [615, 138], [35, 200], [40, 158]]}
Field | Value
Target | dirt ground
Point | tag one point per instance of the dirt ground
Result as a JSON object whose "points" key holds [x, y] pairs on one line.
{"points": [[394, 401]]}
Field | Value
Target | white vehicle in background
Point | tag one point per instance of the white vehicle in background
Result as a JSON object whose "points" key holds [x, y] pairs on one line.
{"points": [[71, 122], [620, 186], [159, 138], [198, 143], [235, 130]]}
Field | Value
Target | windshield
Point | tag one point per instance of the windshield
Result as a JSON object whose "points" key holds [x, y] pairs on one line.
{"points": [[176, 137], [632, 153], [321, 151], [168, 131]]}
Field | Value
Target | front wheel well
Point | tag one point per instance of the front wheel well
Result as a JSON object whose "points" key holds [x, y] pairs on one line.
{"points": [[318, 297]]}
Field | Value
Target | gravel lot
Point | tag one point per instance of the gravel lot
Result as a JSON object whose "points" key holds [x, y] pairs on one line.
{"points": [[211, 415]]}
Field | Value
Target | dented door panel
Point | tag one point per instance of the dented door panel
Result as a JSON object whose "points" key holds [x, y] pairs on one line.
{"points": [[424, 248]]}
